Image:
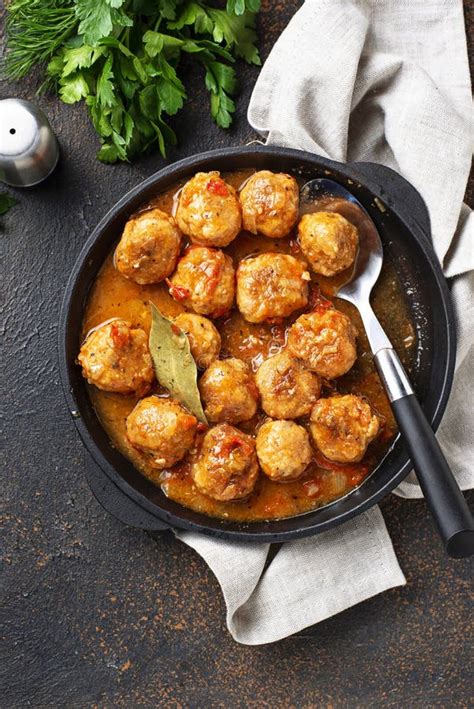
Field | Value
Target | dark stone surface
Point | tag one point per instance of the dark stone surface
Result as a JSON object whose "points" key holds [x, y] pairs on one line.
{"points": [[96, 614]]}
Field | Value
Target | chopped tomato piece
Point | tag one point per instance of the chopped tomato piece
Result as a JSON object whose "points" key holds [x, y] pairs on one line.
{"points": [[120, 335], [217, 187], [201, 427], [213, 271], [188, 422], [233, 443], [177, 292], [357, 477], [318, 302], [294, 247]]}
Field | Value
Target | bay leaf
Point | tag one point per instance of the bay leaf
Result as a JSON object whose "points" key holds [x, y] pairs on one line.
{"points": [[174, 364]]}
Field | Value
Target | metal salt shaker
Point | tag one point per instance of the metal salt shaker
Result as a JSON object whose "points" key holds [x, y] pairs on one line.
{"points": [[29, 150]]}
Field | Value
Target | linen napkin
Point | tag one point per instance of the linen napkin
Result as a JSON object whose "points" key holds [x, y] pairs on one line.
{"points": [[370, 80]]}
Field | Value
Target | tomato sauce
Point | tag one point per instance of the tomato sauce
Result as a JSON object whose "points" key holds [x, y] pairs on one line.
{"points": [[324, 481]]}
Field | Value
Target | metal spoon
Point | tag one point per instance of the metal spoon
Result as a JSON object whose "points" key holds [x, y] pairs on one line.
{"points": [[445, 499]]}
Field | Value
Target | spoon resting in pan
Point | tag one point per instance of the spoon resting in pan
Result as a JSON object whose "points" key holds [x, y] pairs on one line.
{"points": [[446, 501]]}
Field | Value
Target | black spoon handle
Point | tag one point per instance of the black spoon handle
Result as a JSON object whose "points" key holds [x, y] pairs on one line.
{"points": [[446, 501]]}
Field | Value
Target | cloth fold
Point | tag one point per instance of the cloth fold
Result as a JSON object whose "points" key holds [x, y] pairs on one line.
{"points": [[307, 581], [364, 80]]}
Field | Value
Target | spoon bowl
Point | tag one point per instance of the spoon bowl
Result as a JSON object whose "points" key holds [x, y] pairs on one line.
{"points": [[369, 259]]}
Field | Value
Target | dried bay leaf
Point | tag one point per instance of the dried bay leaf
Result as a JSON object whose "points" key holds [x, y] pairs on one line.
{"points": [[174, 364]]}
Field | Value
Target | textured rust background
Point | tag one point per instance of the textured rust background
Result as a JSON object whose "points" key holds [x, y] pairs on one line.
{"points": [[98, 615]]}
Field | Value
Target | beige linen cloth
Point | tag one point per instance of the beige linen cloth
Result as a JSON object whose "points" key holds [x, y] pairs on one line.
{"points": [[384, 81]]}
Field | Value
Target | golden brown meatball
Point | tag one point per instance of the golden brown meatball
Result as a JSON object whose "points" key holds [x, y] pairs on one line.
{"points": [[328, 241], [208, 210], [115, 357], [325, 341], [203, 336], [149, 247], [287, 389], [283, 449], [204, 281], [161, 429], [343, 427], [226, 467], [228, 391], [271, 286], [270, 204]]}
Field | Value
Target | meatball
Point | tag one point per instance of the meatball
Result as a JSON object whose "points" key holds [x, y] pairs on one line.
{"points": [[203, 336], [228, 391], [161, 429], [226, 467], [343, 427], [149, 247], [287, 389], [328, 241], [115, 357], [204, 281], [325, 341], [208, 210], [270, 204], [271, 286], [283, 450]]}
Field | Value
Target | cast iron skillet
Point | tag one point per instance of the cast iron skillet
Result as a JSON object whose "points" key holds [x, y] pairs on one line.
{"points": [[402, 219]]}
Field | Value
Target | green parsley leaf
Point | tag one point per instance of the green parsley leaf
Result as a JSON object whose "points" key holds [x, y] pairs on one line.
{"points": [[128, 126], [195, 15], [112, 42], [123, 58], [125, 77], [141, 73], [222, 108], [214, 49], [98, 18], [6, 202], [55, 66], [221, 81], [225, 76], [73, 88], [105, 87], [148, 100], [156, 42], [170, 96], [237, 32], [80, 58], [108, 153], [238, 7]]}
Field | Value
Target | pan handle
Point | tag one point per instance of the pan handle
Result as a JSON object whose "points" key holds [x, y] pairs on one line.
{"points": [[116, 503], [440, 489], [396, 190]]}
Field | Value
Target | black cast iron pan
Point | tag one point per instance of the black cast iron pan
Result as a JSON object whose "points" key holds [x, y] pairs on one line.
{"points": [[403, 222]]}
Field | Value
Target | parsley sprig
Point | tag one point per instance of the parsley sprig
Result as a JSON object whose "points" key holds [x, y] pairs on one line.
{"points": [[122, 58], [6, 202]]}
